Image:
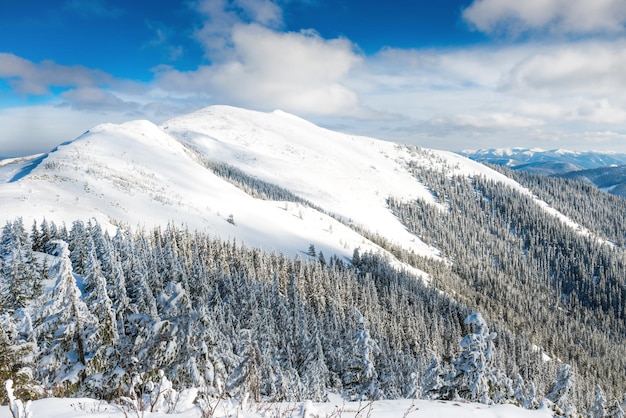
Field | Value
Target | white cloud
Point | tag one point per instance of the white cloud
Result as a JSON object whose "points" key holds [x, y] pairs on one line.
{"points": [[93, 98], [27, 77], [592, 68], [471, 97], [490, 121], [556, 16], [296, 71], [511, 95], [264, 12], [598, 111], [254, 64], [36, 129], [221, 16]]}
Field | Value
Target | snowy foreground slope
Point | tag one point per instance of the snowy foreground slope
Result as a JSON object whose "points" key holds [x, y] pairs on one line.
{"points": [[144, 175], [87, 408]]}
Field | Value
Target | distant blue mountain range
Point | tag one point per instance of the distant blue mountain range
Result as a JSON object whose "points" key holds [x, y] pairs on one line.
{"points": [[605, 170]]}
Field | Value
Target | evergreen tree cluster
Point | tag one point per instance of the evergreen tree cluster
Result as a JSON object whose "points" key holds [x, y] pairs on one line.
{"points": [[512, 260], [179, 309], [587, 205]]}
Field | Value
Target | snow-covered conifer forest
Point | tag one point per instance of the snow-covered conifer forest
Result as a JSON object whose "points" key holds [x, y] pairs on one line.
{"points": [[450, 282]]}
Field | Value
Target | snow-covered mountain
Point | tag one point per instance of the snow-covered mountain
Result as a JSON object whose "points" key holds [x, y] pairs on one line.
{"points": [[542, 161], [609, 179], [142, 174], [511, 250]]}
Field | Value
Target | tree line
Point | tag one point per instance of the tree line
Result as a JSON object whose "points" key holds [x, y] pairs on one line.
{"points": [[86, 313]]}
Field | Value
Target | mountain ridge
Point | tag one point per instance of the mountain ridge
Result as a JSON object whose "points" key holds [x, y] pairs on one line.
{"points": [[601, 169], [525, 158], [141, 173]]}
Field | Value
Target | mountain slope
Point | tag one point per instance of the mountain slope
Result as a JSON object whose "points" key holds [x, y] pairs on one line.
{"points": [[145, 175], [137, 174], [520, 255], [609, 179]]}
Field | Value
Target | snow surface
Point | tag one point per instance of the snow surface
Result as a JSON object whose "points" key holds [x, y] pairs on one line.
{"points": [[11, 168], [347, 175], [145, 175], [88, 408]]}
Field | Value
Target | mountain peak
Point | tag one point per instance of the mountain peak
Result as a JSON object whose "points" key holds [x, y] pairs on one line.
{"points": [[143, 174]]}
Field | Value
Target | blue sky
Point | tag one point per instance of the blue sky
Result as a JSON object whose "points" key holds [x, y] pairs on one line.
{"points": [[450, 74]]}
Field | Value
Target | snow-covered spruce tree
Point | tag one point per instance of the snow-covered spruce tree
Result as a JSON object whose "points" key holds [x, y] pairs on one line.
{"points": [[474, 367], [22, 281], [176, 344], [500, 387], [116, 286], [524, 396], [102, 373], [598, 409], [244, 380], [18, 349], [562, 392], [315, 373], [64, 325], [520, 392], [39, 236], [433, 378], [360, 376]]}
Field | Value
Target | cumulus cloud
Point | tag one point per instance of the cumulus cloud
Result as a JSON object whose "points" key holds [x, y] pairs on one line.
{"points": [[93, 98], [594, 69], [454, 98], [27, 77], [221, 16], [480, 96], [556, 16], [296, 71]]}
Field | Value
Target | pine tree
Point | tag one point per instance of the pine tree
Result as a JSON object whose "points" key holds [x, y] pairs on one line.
{"points": [[19, 268], [16, 356], [561, 394], [433, 378], [474, 367], [78, 246], [64, 325], [102, 344], [315, 373], [245, 378], [598, 409], [360, 377]]}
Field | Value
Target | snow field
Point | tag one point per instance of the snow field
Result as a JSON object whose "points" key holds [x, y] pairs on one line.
{"points": [[335, 408]]}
